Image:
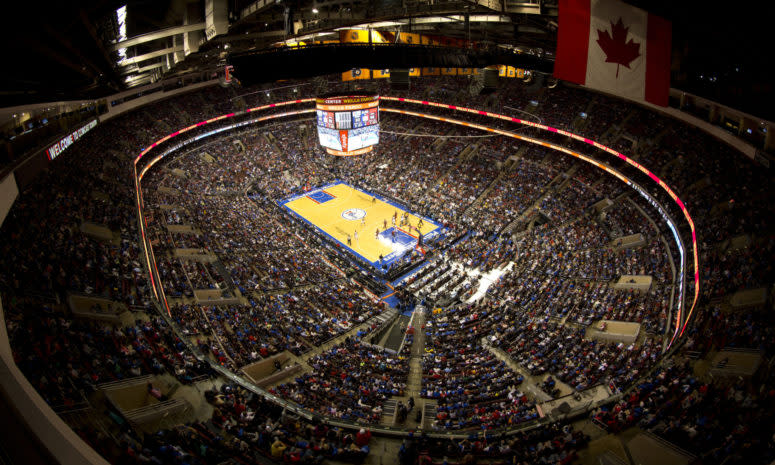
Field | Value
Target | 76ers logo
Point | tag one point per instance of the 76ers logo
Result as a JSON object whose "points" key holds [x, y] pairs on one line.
{"points": [[353, 214]]}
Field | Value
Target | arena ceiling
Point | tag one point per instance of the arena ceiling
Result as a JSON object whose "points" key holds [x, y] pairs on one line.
{"points": [[62, 51]]}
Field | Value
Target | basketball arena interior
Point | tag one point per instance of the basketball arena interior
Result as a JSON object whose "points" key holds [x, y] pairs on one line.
{"points": [[382, 232]]}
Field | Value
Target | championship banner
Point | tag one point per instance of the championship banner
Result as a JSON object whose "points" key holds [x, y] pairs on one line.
{"points": [[431, 71], [449, 71], [423, 39], [408, 38], [380, 73], [414, 72], [356, 36], [510, 72], [356, 74]]}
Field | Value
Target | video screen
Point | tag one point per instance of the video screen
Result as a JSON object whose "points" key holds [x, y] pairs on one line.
{"points": [[363, 137], [343, 120], [366, 117], [349, 140], [329, 138], [347, 119], [326, 119], [354, 128]]}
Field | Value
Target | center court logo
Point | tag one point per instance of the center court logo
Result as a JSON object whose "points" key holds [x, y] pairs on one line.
{"points": [[353, 214]]}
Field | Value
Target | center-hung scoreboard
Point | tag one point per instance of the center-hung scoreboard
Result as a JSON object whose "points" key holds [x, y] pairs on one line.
{"points": [[348, 124]]}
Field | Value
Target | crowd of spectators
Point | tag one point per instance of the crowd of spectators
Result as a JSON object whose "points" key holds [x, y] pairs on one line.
{"points": [[554, 444], [718, 422], [243, 428], [65, 359], [562, 260], [350, 381], [472, 387], [544, 346], [271, 323], [510, 196]]}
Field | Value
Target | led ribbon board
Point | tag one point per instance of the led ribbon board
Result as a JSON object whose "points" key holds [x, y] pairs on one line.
{"points": [[54, 151]]}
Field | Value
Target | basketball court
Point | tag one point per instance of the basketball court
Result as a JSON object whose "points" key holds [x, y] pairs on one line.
{"points": [[340, 210]]}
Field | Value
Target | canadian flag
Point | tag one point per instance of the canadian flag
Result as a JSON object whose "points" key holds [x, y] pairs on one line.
{"points": [[614, 47]]}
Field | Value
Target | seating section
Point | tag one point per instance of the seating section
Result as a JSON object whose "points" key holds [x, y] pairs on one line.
{"points": [[473, 388], [244, 281], [350, 381]]}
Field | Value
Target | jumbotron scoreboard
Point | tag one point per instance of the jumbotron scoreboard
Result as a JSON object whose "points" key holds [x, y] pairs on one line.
{"points": [[348, 124]]}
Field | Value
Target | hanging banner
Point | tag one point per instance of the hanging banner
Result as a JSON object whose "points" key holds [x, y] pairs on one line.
{"points": [[380, 73], [357, 36], [356, 74], [408, 38]]}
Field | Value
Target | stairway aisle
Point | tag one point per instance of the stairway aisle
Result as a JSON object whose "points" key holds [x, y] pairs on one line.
{"points": [[414, 380]]}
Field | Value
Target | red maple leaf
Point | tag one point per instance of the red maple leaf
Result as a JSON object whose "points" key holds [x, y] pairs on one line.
{"points": [[616, 47]]}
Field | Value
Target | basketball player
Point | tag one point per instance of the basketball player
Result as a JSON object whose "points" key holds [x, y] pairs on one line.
{"points": [[349, 241], [355, 235], [363, 221], [376, 234]]}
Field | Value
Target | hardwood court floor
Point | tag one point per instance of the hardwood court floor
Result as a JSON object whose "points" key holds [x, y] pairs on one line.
{"points": [[339, 209]]}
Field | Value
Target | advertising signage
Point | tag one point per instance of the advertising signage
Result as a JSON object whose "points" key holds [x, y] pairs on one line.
{"points": [[68, 140]]}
